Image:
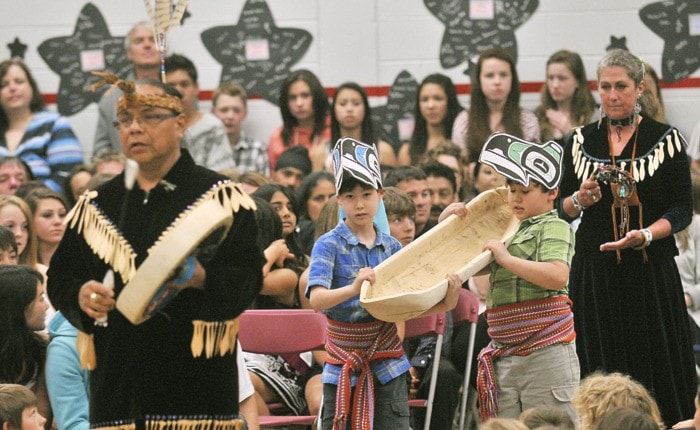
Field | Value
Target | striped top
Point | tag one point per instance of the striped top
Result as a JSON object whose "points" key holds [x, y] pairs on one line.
{"points": [[49, 147]]}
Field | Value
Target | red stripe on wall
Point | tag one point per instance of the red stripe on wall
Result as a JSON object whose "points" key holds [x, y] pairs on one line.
{"points": [[464, 89]]}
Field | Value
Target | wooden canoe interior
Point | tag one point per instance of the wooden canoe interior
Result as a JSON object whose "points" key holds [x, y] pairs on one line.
{"points": [[413, 280]]}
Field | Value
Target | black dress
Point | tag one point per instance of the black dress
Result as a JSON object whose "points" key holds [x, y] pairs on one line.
{"points": [[147, 372], [631, 317]]}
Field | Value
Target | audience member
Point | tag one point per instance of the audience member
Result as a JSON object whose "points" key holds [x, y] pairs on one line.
{"points": [[19, 408], [42, 139], [313, 194], [13, 172], [304, 108], [494, 105], [688, 259], [413, 181], [401, 213], [277, 378], [455, 158], [23, 308], [547, 415], [442, 186], [76, 183], [205, 136], [49, 209], [434, 115], [503, 424], [251, 181], [230, 105], [66, 381], [8, 247], [291, 167], [108, 161], [351, 116], [16, 216], [565, 99], [652, 101], [141, 50], [626, 419], [630, 313], [600, 392]]}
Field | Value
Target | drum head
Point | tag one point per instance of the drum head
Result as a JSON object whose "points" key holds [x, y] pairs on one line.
{"points": [[204, 227]]}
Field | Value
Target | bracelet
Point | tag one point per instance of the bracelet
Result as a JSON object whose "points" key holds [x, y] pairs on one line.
{"points": [[577, 205], [648, 237]]}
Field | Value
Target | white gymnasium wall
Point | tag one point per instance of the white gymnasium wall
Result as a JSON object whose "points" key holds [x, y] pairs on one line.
{"points": [[368, 41]]}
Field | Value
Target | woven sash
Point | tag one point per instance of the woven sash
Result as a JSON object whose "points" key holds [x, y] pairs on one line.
{"points": [[355, 347], [523, 328]]}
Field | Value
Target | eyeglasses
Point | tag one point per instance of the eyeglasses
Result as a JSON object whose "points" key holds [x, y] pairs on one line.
{"points": [[150, 119]]}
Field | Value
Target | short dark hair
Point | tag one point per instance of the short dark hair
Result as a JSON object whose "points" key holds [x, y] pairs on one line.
{"points": [[349, 182], [177, 62], [403, 173], [533, 182], [440, 170], [7, 240]]}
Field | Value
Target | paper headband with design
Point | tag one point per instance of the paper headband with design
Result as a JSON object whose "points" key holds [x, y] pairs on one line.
{"points": [[359, 160], [521, 161]]}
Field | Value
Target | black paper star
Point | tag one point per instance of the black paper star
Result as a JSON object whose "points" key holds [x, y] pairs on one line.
{"points": [[185, 15], [64, 55], [263, 77], [17, 48], [465, 38], [400, 104], [669, 20], [616, 43]]}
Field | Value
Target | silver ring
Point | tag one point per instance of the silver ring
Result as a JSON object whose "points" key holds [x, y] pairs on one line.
{"points": [[595, 198], [93, 296], [589, 192]]}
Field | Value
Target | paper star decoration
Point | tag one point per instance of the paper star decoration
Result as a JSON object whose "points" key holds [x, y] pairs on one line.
{"points": [[91, 47], [255, 53], [400, 105], [616, 43], [670, 20], [17, 48], [466, 37]]}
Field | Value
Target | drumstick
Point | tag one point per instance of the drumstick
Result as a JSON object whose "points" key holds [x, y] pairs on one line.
{"points": [[130, 170]]}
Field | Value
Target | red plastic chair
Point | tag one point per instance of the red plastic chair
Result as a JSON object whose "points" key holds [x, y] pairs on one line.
{"points": [[282, 331], [467, 311], [433, 324]]}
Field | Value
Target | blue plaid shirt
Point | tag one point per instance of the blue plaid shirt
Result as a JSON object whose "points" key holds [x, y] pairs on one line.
{"points": [[336, 258]]}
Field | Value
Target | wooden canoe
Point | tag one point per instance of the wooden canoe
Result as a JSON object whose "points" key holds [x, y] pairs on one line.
{"points": [[412, 281]]}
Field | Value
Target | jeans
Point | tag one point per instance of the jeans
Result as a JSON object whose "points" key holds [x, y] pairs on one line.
{"points": [[390, 405]]}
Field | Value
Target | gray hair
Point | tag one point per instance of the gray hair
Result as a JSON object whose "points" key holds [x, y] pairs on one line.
{"points": [[623, 58], [127, 39]]}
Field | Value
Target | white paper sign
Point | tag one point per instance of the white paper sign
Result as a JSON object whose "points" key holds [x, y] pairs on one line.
{"points": [[257, 50], [694, 24], [481, 9], [92, 59]]}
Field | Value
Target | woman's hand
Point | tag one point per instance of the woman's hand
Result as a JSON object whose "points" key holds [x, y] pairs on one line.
{"points": [[277, 252], [560, 120], [633, 239], [589, 193]]}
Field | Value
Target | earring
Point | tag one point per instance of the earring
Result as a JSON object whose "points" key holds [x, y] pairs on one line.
{"points": [[602, 114]]}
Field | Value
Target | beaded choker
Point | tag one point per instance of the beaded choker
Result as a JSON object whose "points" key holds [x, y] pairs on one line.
{"points": [[629, 121]]}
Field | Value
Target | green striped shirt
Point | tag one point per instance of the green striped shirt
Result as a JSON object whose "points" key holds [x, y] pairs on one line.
{"points": [[540, 238]]}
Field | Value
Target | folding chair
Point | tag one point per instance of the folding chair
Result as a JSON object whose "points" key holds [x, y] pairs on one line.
{"points": [[433, 324], [282, 331], [466, 311]]}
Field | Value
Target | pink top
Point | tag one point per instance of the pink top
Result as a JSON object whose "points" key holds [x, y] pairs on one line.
{"points": [[528, 122], [300, 136]]}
